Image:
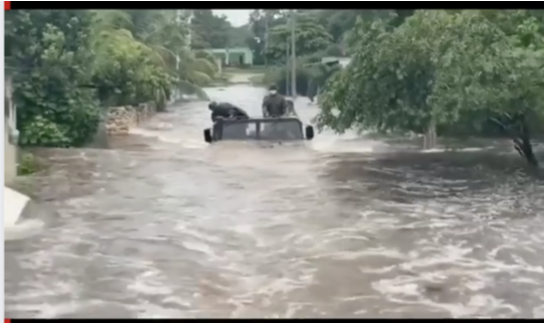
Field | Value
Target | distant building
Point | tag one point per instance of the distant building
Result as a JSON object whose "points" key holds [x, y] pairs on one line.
{"points": [[239, 56], [344, 61]]}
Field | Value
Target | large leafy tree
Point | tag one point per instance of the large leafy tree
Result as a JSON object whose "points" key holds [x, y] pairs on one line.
{"points": [[68, 63], [320, 33], [443, 68], [49, 54], [310, 37], [260, 24], [338, 22], [209, 30], [152, 47]]}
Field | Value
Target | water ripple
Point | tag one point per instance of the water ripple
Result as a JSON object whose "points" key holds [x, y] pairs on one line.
{"points": [[167, 226]]}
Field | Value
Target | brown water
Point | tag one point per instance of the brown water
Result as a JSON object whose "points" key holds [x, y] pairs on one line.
{"points": [[164, 225]]}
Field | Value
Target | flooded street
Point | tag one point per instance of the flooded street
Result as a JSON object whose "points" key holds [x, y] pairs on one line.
{"points": [[165, 225]]}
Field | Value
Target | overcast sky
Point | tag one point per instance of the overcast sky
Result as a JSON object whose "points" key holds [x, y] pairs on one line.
{"points": [[237, 17]]}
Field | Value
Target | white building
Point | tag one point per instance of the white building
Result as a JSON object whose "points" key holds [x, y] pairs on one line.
{"points": [[344, 61]]}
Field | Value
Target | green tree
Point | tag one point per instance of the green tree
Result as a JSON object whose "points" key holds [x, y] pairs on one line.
{"points": [[209, 30], [260, 24], [443, 68], [51, 58], [324, 34], [311, 76], [310, 37], [66, 63], [127, 71], [153, 58], [238, 36], [338, 22]]}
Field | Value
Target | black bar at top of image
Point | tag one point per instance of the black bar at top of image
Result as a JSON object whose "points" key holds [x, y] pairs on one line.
{"points": [[94, 319], [98, 318], [279, 4]]}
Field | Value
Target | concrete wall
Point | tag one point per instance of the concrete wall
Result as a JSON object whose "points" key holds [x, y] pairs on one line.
{"points": [[120, 120]]}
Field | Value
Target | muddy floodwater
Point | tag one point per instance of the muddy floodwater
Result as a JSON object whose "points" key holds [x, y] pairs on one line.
{"points": [[164, 225]]}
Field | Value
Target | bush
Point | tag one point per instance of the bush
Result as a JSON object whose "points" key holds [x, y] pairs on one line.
{"points": [[49, 49], [28, 164], [43, 132]]}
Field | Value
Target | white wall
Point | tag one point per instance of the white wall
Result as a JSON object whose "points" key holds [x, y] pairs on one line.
{"points": [[14, 204], [345, 61], [10, 150], [10, 158]]}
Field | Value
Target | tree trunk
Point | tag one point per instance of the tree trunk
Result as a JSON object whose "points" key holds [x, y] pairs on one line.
{"points": [[524, 146], [521, 139], [430, 137]]}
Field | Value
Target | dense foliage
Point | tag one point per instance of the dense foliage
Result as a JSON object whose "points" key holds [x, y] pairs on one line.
{"points": [[68, 65], [311, 74], [310, 37], [461, 71], [457, 72], [54, 62], [209, 30], [318, 33]]}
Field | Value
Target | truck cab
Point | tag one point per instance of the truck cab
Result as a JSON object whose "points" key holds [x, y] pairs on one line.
{"points": [[263, 129]]}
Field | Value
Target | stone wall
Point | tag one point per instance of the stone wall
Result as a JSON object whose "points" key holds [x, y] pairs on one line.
{"points": [[120, 120]]}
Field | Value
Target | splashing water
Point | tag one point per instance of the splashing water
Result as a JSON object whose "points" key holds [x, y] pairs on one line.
{"points": [[165, 225]]}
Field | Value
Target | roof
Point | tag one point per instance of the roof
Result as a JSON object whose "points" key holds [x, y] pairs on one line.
{"points": [[283, 119]]}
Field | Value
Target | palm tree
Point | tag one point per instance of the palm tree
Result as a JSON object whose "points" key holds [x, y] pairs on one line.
{"points": [[162, 37]]}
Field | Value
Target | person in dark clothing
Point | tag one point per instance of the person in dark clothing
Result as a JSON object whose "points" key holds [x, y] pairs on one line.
{"points": [[274, 104], [227, 111]]}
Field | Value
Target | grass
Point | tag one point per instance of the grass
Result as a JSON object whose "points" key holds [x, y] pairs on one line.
{"points": [[28, 164]]}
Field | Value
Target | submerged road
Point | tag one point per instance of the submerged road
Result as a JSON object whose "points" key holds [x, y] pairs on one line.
{"points": [[164, 225]]}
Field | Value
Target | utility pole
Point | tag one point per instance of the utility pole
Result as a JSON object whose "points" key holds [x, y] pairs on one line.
{"points": [[177, 90], [287, 67], [266, 37], [189, 20], [293, 58]]}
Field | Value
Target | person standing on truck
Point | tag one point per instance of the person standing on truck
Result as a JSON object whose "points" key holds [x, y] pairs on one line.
{"points": [[227, 111], [274, 104]]}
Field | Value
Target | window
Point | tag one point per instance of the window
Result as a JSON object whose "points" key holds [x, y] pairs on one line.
{"points": [[239, 131], [281, 130]]}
